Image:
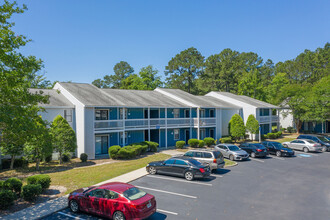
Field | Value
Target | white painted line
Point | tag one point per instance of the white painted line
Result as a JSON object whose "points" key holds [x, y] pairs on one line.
{"points": [[257, 160], [168, 212], [71, 216], [216, 175], [179, 180], [279, 158], [172, 193]]}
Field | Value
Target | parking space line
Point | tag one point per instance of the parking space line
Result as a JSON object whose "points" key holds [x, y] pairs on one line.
{"points": [[216, 175], [71, 216], [279, 158], [257, 160], [179, 180], [163, 191], [168, 212]]}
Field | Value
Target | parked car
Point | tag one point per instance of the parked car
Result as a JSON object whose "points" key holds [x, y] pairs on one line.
{"points": [[304, 145], [323, 141], [113, 200], [232, 152], [254, 149], [180, 166], [210, 157], [277, 148]]}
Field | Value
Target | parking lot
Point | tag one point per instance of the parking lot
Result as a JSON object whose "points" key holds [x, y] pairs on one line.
{"points": [[261, 188]]}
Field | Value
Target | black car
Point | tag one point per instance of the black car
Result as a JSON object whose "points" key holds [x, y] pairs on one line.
{"points": [[325, 143], [254, 149], [179, 166], [277, 148]]}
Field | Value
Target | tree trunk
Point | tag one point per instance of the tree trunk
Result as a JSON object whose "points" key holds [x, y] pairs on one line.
{"points": [[37, 164], [12, 162], [298, 125], [60, 157]]}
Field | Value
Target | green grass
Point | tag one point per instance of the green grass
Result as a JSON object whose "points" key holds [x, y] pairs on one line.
{"points": [[229, 162], [83, 177]]}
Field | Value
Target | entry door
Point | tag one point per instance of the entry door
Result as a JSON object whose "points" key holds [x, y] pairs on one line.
{"points": [[186, 113], [187, 136], [101, 145], [212, 133]]}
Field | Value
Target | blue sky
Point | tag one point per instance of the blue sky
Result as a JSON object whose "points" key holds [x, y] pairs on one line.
{"points": [[82, 40]]}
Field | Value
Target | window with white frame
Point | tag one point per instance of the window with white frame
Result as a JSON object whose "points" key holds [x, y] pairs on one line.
{"points": [[202, 113], [121, 113], [203, 134], [68, 115], [176, 134], [121, 138], [176, 113], [101, 114]]}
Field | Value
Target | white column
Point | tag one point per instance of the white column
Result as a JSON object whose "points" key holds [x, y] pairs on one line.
{"points": [[278, 119], [270, 120], [191, 123], [198, 124], [166, 127], [124, 118], [148, 123]]}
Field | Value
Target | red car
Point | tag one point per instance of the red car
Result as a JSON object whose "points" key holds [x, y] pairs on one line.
{"points": [[115, 200]]}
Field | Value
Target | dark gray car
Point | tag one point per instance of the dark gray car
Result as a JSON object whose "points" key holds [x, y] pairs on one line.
{"points": [[232, 152]]}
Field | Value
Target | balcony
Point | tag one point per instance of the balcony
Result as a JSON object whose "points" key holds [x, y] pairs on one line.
{"points": [[267, 119], [205, 122]]}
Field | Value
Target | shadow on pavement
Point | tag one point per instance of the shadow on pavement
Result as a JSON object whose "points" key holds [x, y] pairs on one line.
{"points": [[157, 216]]}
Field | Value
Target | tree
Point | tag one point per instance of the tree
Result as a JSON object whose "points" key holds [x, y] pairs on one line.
{"points": [[99, 83], [63, 136], [236, 127], [278, 83], [252, 125], [38, 81], [18, 106], [183, 69], [39, 144]]}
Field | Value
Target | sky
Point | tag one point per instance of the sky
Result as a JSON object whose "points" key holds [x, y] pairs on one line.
{"points": [[81, 40]]}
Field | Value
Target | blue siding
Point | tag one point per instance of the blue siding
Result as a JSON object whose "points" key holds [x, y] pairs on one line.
{"points": [[162, 113], [113, 113], [194, 133], [135, 113], [194, 113], [154, 113], [162, 138], [114, 138], [170, 113], [135, 136]]}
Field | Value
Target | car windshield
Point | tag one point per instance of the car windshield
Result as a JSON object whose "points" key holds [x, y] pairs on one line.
{"points": [[278, 145], [259, 146], [195, 162], [134, 193], [310, 141], [233, 148], [323, 139]]}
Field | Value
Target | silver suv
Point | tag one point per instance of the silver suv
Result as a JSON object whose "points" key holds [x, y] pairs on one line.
{"points": [[232, 152], [211, 157]]}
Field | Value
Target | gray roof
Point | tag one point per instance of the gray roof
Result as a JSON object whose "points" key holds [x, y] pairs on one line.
{"points": [[201, 101], [56, 99], [248, 100], [90, 95]]}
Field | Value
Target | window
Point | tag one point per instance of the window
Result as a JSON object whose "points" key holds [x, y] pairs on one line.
{"points": [[189, 154], [101, 144], [211, 113], [99, 193], [202, 134], [176, 134], [101, 114], [198, 154], [121, 113], [264, 112], [180, 162], [186, 113], [295, 141], [134, 193], [207, 155], [176, 113], [68, 115], [110, 194], [121, 138], [169, 162], [202, 113]]}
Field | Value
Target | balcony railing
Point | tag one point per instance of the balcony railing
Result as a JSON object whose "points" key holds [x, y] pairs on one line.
{"points": [[108, 124], [204, 122], [267, 119]]}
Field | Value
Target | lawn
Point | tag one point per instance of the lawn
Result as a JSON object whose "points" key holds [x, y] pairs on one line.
{"points": [[83, 177], [229, 163]]}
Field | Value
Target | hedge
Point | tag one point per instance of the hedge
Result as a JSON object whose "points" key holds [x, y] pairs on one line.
{"points": [[13, 184], [31, 191], [7, 198], [226, 140], [273, 135], [180, 144], [201, 143], [126, 153], [66, 157], [83, 157], [152, 146], [291, 130], [42, 179], [193, 142], [113, 151], [209, 141]]}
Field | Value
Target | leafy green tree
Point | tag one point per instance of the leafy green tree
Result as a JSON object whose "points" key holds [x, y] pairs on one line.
{"points": [[278, 83], [18, 106], [63, 136], [236, 127], [99, 83], [39, 144], [252, 125], [183, 69]]}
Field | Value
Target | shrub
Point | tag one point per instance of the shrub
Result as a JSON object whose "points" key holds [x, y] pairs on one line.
{"points": [[31, 191], [113, 151], [201, 143], [271, 135], [20, 162], [180, 144], [225, 140], [126, 153], [83, 157], [2, 184], [193, 142], [279, 134], [42, 179], [48, 158], [236, 127], [282, 129], [13, 184], [66, 157], [153, 146], [7, 198], [209, 141], [291, 130]]}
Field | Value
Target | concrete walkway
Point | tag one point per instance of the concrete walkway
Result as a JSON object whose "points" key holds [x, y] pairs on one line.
{"points": [[43, 209]]}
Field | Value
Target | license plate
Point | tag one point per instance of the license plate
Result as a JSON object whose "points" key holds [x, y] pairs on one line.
{"points": [[149, 205]]}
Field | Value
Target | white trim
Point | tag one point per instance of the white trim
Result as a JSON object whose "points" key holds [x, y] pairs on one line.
{"points": [[101, 109]]}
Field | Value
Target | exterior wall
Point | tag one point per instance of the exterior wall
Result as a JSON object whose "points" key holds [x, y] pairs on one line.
{"points": [[135, 136], [89, 142], [50, 113], [286, 119], [135, 113], [226, 115]]}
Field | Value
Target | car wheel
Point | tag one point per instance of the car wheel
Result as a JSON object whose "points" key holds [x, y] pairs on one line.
{"points": [[278, 153], [305, 149], [152, 170], [324, 149], [253, 155], [231, 157], [74, 206], [189, 176], [118, 215]]}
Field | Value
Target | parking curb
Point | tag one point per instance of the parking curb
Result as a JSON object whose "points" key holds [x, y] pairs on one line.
{"points": [[231, 165]]}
